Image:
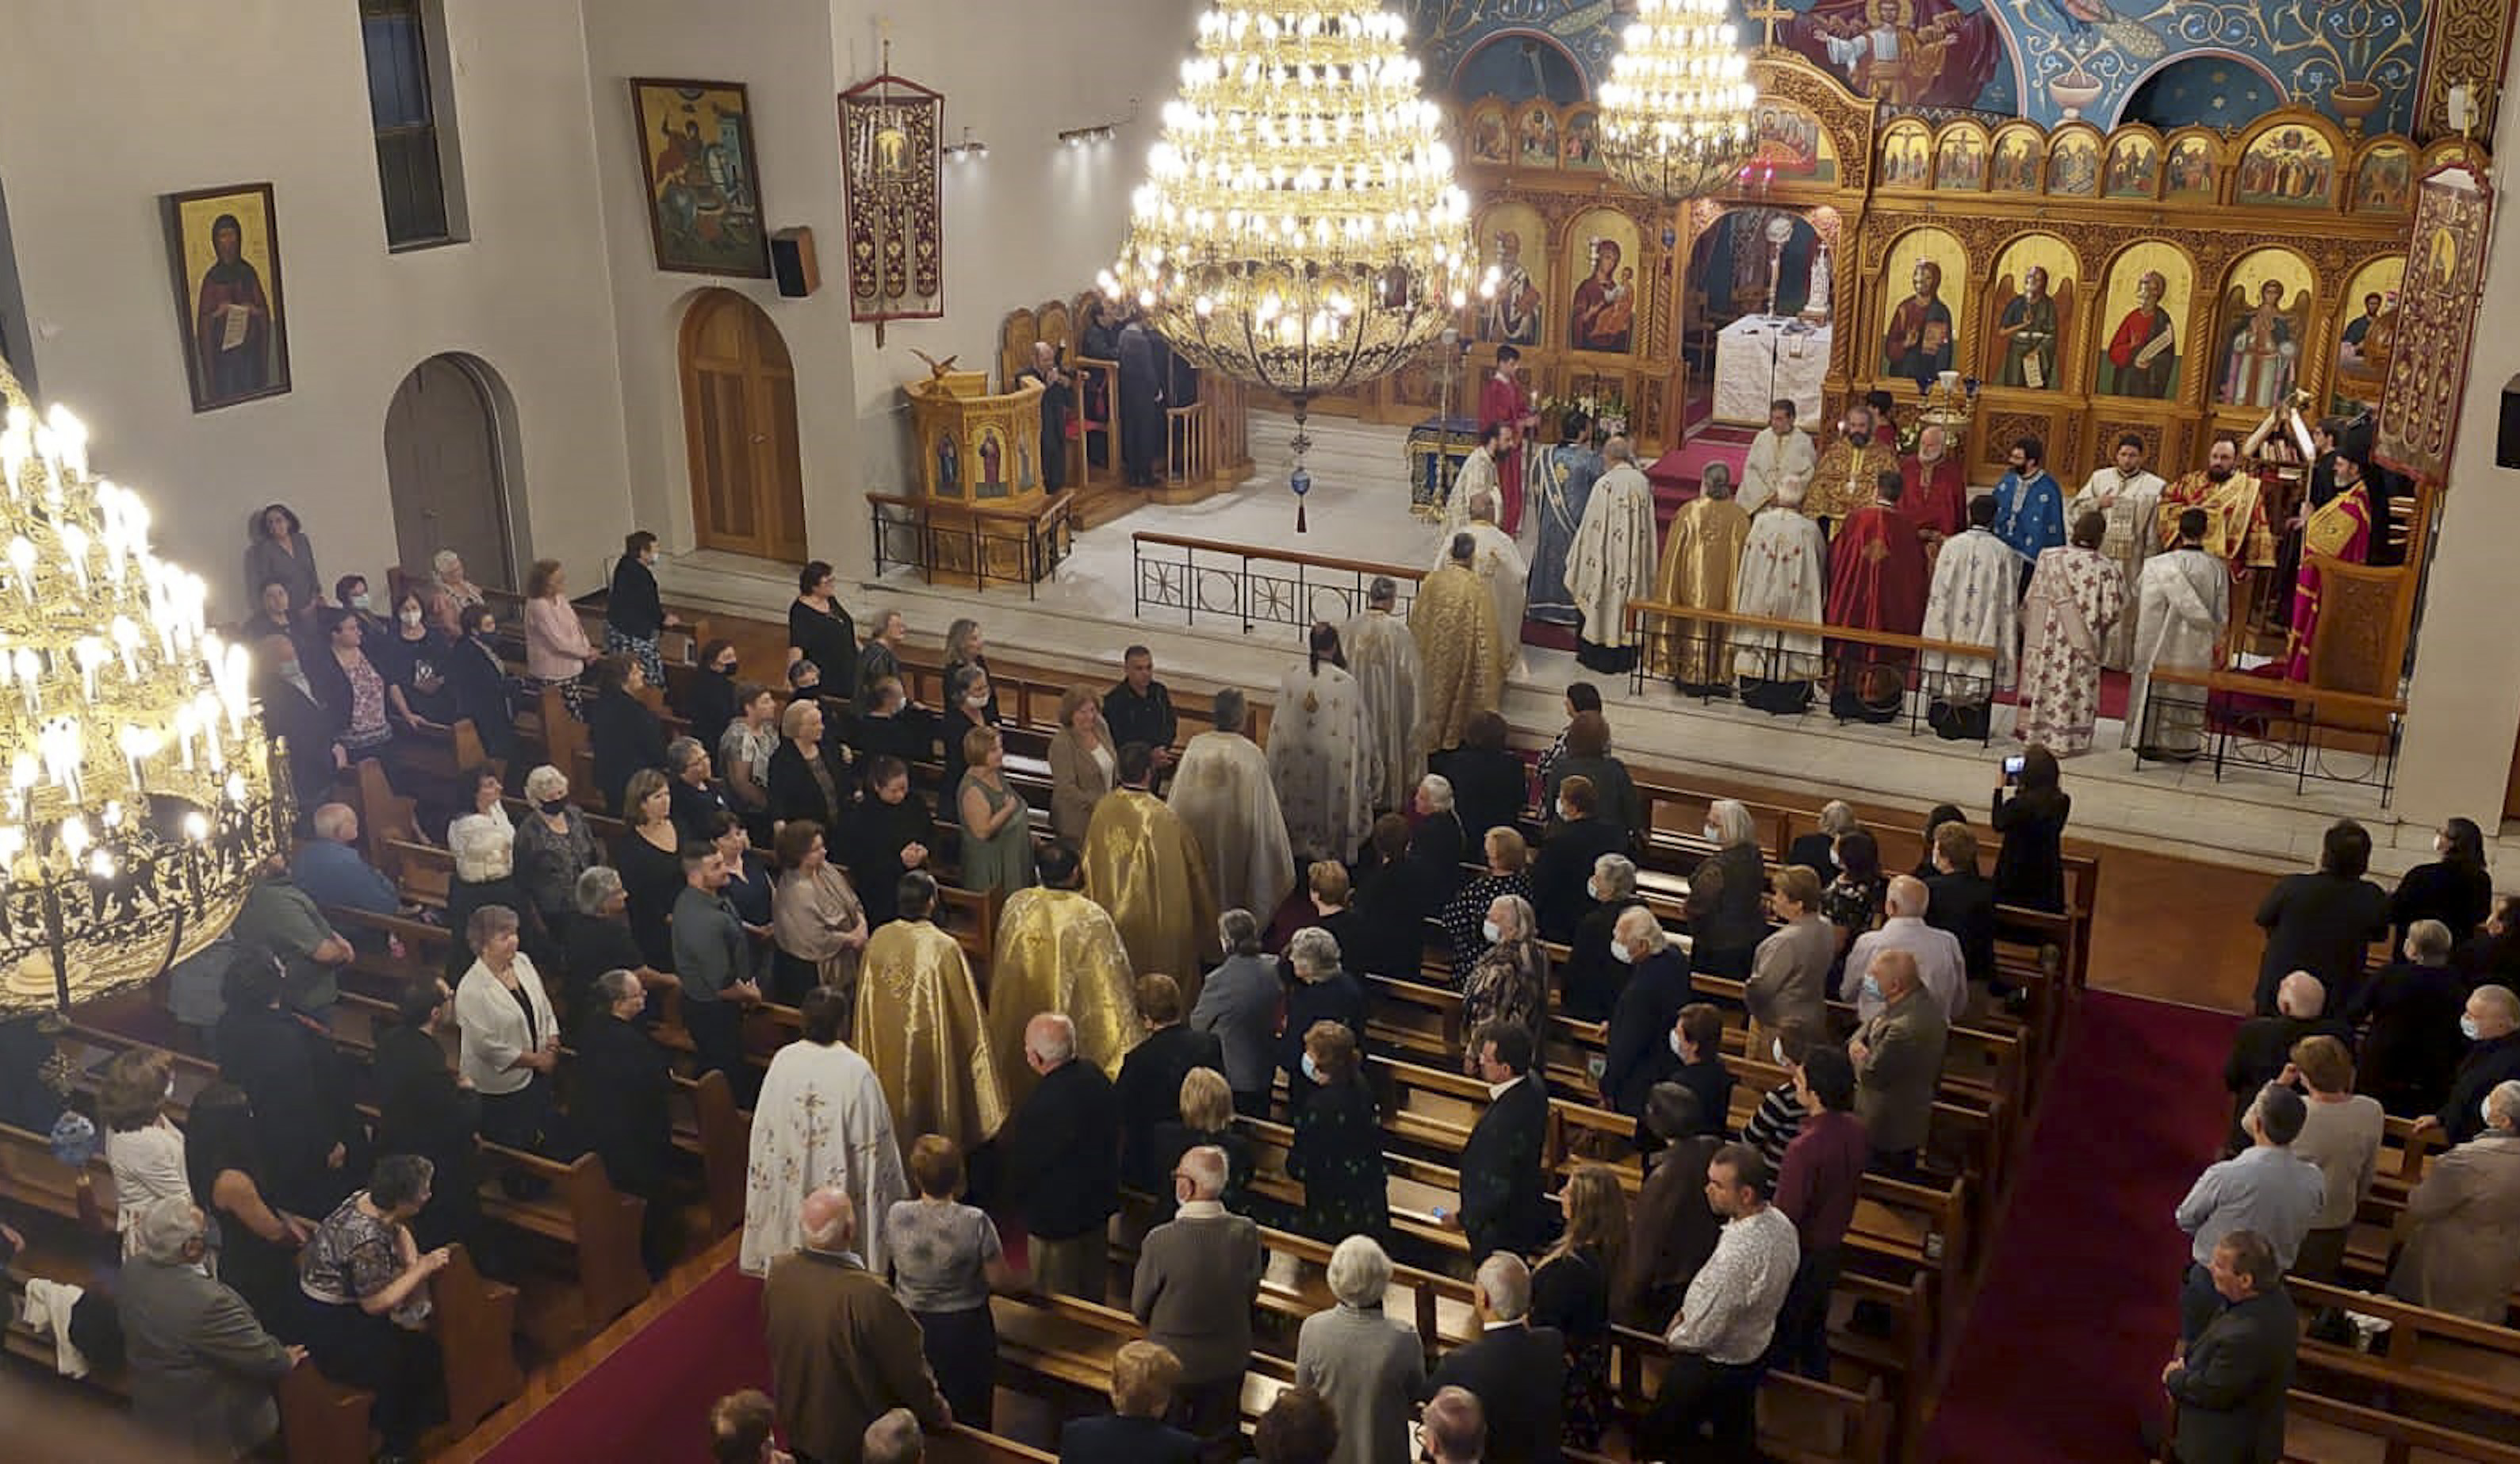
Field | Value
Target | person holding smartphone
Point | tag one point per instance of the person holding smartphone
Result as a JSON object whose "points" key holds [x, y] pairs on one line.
{"points": [[2029, 811]]}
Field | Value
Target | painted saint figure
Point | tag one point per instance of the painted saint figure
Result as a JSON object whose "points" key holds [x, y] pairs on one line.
{"points": [[231, 319], [2028, 331], [1917, 346], [2143, 358]]}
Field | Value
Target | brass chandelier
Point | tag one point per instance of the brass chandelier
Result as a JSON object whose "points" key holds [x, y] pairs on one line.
{"points": [[1299, 227], [1676, 112], [140, 802]]}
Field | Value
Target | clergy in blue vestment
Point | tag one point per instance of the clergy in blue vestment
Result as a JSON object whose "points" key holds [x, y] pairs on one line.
{"points": [[1566, 477], [2028, 507]]}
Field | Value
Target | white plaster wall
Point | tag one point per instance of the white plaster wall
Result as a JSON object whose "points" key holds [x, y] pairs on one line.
{"points": [[105, 107], [2463, 708]]}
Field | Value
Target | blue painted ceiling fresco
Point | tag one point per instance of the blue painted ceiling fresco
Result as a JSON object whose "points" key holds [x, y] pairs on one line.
{"points": [[2032, 57]]}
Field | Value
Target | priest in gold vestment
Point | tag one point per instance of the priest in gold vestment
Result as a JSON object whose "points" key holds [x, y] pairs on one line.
{"points": [[1142, 866], [1454, 624], [1224, 797], [1058, 951], [919, 1026], [1699, 563], [1848, 467], [2235, 511]]}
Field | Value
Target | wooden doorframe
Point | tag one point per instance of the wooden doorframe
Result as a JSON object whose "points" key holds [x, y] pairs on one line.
{"points": [[759, 411]]}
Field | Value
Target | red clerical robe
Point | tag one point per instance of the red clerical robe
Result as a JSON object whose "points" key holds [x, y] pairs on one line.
{"points": [[1876, 579], [1501, 400], [1936, 499]]}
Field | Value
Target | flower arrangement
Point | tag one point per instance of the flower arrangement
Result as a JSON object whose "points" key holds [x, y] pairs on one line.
{"points": [[1608, 411]]}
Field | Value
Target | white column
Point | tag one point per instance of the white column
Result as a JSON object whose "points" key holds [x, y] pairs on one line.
{"points": [[2463, 710]]}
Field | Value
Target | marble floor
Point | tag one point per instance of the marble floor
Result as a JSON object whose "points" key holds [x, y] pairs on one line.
{"points": [[1086, 615]]}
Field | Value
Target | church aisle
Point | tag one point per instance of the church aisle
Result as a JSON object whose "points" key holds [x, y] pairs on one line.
{"points": [[2088, 1264]]}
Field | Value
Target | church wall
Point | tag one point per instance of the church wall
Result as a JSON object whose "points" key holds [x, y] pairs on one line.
{"points": [[2463, 708], [104, 107]]}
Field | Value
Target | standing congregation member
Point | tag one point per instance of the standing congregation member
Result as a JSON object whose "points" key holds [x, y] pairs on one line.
{"points": [[880, 658], [1144, 1376], [627, 738], [1337, 1150], [1239, 1004], [1501, 1202], [1614, 560], [511, 1044], [2231, 1379], [2462, 1250], [1898, 1058], [2409, 1015], [1223, 794], [2323, 922], [843, 1351], [1084, 762], [1816, 1185], [1940, 963], [819, 628], [1368, 1367], [279, 552], [1149, 1085], [1320, 753], [203, 1369], [712, 699], [1570, 1295], [1062, 1162], [622, 1088], [2340, 1133], [2454, 887], [2266, 1189], [1139, 708], [1790, 974], [945, 1259], [821, 1122], [557, 650], [1198, 1276], [996, 822], [1637, 1046], [817, 924], [2491, 1023], [1318, 989], [714, 962], [634, 613], [1514, 1369], [448, 579], [1719, 1341]]}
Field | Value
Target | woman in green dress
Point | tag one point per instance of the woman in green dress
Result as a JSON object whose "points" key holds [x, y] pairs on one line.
{"points": [[997, 830]]}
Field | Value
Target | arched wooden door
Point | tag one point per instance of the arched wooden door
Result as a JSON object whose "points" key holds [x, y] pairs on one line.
{"points": [[740, 420], [444, 471]]}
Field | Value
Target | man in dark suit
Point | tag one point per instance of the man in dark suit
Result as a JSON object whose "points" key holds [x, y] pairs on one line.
{"points": [[1149, 1087], [2491, 1023], [2263, 1046], [1961, 900], [623, 1083], [843, 1351], [422, 1109], [1516, 1370], [1565, 864], [290, 712], [1503, 1206], [2229, 1386], [1637, 1049], [1061, 1162]]}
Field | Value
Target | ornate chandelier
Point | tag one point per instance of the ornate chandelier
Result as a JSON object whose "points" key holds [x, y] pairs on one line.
{"points": [[1299, 228], [1676, 114], [140, 802]]}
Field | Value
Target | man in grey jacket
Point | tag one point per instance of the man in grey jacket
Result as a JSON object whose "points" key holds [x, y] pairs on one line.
{"points": [[1239, 1002], [1198, 1278], [201, 1367], [1898, 1059], [1369, 1366]]}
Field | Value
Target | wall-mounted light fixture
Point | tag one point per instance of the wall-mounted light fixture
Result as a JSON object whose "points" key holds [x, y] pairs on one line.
{"points": [[968, 150], [1097, 132]]}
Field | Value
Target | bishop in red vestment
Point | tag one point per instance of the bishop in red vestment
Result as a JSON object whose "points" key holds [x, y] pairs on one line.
{"points": [[1501, 399], [1936, 488], [1876, 581]]}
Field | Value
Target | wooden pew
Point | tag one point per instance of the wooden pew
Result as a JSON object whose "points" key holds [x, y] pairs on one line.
{"points": [[2449, 1371], [583, 1215], [2321, 1430]]}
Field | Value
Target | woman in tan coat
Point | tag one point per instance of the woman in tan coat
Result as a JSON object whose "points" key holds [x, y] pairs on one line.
{"points": [[1081, 764], [2462, 1250]]}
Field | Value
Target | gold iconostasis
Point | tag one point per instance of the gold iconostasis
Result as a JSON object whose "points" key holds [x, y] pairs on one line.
{"points": [[2093, 283]]}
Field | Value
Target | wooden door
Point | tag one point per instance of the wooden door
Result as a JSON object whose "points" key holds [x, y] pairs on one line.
{"points": [[444, 474], [740, 420]]}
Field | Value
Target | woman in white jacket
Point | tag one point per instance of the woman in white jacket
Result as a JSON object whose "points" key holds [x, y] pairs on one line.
{"points": [[511, 1041]]}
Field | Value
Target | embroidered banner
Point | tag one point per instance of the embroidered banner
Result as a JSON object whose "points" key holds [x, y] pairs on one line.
{"points": [[891, 133], [2435, 316]]}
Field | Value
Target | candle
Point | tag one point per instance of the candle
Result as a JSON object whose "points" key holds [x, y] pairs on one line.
{"points": [[29, 668]]}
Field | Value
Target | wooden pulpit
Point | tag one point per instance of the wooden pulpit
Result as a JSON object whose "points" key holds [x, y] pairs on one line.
{"points": [[981, 507]]}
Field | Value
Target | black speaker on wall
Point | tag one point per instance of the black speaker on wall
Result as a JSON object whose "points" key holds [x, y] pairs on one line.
{"points": [[2507, 436], [791, 262]]}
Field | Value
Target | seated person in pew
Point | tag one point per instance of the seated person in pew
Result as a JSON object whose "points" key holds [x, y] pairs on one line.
{"points": [[1516, 1370], [1596, 969], [1337, 1150], [426, 1110], [1196, 1279], [843, 1351], [367, 1303], [1637, 1049], [821, 1121], [1144, 1376], [1240, 1005], [1504, 1206], [621, 1088], [1454, 1428], [1816, 1190], [1670, 1229], [946, 1259], [742, 1429], [333, 872], [1368, 1366], [2463, 1250], [1719, 1339], [1570, 1295], [1299, 1428], [203, 1369], [1780, 1115]]}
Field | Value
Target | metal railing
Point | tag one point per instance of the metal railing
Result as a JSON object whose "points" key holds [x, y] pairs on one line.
{"points": [[976, 542], [1788, 666], [1249, 586], [2271, 725]]}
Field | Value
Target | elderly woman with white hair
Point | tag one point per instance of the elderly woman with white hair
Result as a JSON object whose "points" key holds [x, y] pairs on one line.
{"points": [[511, 1039], [1594, 971], [1509, 981], [600, 938], [1318, 989], [1819, 847], [447, 578], [554, 845], [1369, 1367], [1725, 910], [1437, 843]]}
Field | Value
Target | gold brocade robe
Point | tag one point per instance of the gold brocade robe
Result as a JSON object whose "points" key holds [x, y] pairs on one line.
{"points": [[919, 1026], [1699, 563], [1845, 478], [1142, 866], [1058, 951], [2237, 531], [1454, 621]]}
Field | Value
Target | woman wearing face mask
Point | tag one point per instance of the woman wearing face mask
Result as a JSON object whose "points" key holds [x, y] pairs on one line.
{"points": [[634, 613], [554, 847], [1465, 918], [708, 700], [476, 674], [1510, 981], [1724, 894], [418, 693], [969, 703], [962, 647], [1780, 1116], [1337, 1151], [291, 712], [2455, 889], [1636, 1048], [1594, 973]]}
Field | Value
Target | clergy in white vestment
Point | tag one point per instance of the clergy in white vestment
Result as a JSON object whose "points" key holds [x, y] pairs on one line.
{"points": [[1477, 475], [1784, 577], [1223, 794], [2183, 604], [1975, 601], [1319, 755], [1382, 656], [1780, 451], [2075, 595], [1614, 560], [2127, 498], [1500, 567], [821, 1119]]}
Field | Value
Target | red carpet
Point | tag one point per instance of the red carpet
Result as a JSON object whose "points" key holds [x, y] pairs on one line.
{"points": [[2065, 1348], [651, 1399]]}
